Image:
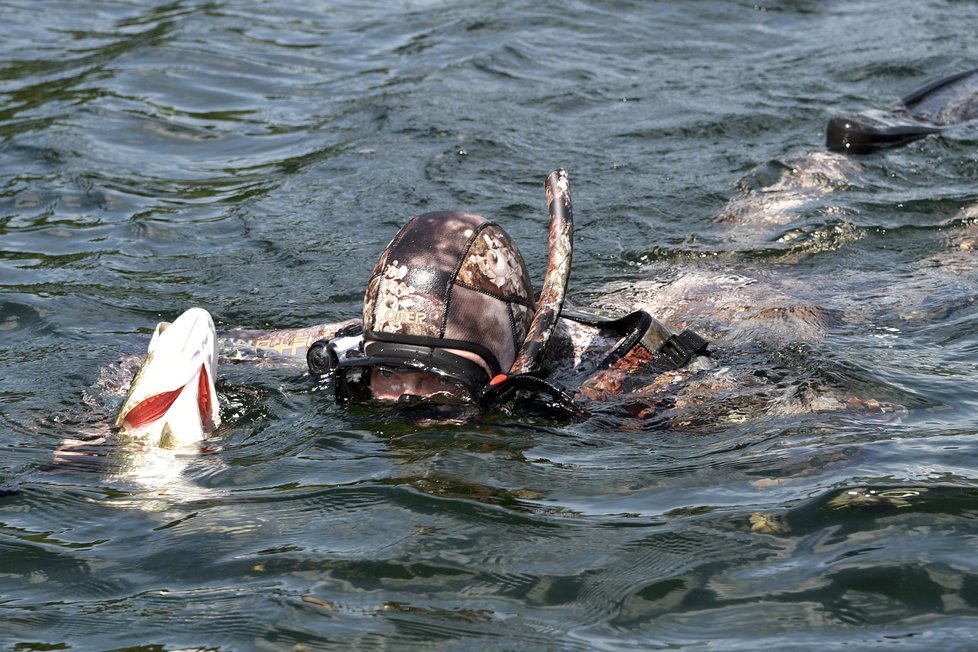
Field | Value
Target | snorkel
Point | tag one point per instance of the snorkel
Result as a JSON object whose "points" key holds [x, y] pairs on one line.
{"points": [[554, 289], [526, 370]]}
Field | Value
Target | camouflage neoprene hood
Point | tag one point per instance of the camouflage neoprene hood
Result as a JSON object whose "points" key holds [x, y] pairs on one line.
{"points": [[447, 308], [451, 280]]}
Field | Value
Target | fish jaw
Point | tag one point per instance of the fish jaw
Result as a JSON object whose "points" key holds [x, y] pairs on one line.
{"points": [[172, 400]]}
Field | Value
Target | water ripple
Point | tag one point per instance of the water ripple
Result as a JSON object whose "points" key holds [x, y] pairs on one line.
{"points": [[253, 158]]}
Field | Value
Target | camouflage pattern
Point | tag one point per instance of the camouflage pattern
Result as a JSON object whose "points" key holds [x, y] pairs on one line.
{"points": [[612, 380], [275, 346], [452, 275], [558, 272]]}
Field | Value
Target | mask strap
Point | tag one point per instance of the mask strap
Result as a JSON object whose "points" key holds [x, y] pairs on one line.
{"points": [[371, 337]]}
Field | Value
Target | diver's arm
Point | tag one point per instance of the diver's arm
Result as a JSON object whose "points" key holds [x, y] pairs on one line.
{"points": [[285, 346]]}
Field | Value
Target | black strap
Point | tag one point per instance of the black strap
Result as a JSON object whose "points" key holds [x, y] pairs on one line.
{"points": [[676, 349], [437, 358], [683, 347], [349, 331], [437, 342], [619, 324]]}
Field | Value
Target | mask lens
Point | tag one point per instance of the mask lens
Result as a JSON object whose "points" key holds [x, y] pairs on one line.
{"points": [[390, 383]]}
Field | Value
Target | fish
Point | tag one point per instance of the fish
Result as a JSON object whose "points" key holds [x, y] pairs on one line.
{"points": [[172, 401], [171, 407]]}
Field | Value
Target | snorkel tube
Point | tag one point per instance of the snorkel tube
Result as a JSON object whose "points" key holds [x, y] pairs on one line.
{"points": [[554, 288], [525, 370]]}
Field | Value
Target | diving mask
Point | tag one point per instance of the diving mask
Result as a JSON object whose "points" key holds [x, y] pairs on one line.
{"points": [[392, 371]]}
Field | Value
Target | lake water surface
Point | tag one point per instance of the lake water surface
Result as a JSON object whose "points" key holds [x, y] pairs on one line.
{"points": [[254, 157]]}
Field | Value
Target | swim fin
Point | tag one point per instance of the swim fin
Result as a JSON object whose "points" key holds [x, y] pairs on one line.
{"points": [[928, 110]]}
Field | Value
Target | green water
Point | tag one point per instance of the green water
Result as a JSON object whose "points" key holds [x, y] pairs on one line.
{"points": [[253, 158]]}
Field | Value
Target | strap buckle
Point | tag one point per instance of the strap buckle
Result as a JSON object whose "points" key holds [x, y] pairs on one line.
{"points": [[682, 347]]}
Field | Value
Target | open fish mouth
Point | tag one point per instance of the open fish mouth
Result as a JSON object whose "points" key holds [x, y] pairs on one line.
{"points": [[172, 400]]}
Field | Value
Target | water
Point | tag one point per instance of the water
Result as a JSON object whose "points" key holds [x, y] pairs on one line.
{"points": [[253, 158]]}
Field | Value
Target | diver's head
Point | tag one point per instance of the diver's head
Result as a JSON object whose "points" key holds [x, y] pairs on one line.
{"points": [[446, 309]]}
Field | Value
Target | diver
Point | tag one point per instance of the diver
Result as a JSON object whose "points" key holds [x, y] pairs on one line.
{"points": [[449, 316], [449, 319]]}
